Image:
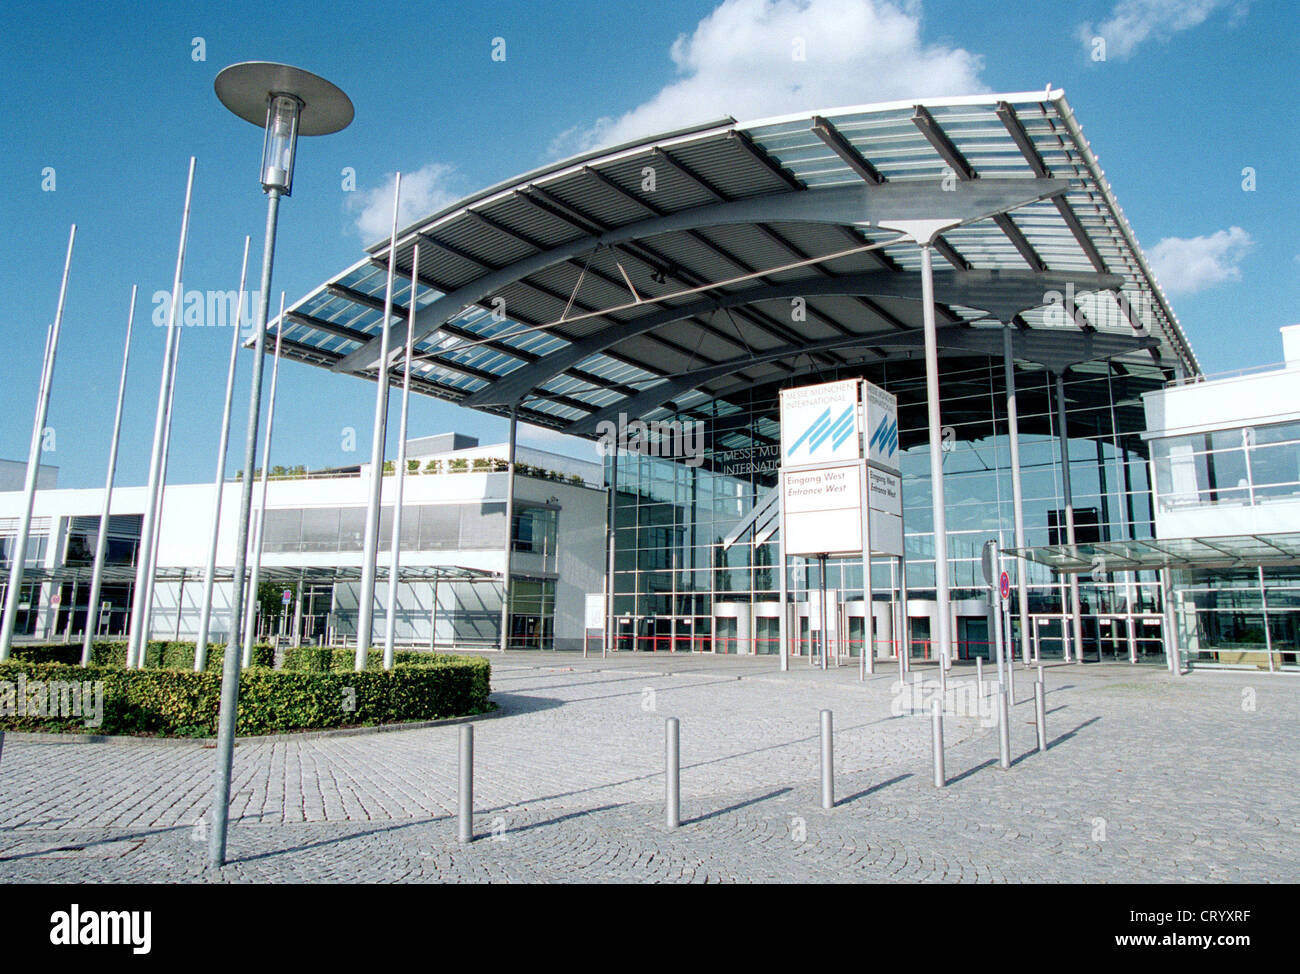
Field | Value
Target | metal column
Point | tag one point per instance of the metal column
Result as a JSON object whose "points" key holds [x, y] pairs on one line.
{"points": [[378, 436], [395, 554], [1017, 492], [1076, 611], [510, 528], [219, 481], [250, 622], [611, 525], [143, 589], [101, 540]]}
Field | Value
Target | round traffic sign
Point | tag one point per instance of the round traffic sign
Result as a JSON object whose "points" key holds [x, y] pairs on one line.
{"points": [[1004, 585]]}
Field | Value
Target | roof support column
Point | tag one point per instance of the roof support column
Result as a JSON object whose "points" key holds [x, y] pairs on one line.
{"points": [[1017, 492], [1076, 612], [1171, 622], [378, 438], [510, 528], [924, 233], [611, 523]]}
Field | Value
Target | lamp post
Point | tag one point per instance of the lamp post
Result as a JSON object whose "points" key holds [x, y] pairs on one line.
{"points": [[287, 102]]}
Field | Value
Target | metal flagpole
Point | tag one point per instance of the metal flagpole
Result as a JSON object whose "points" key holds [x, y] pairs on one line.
{"points": [[18, 554], [218, 484], [1017, 494], [394, 562], [510, 527], [370, 551], [162, 492], [251, 617], [139, 606], [101, 540]]}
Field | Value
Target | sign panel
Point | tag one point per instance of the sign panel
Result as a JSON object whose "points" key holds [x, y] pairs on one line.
{"points": [[822, 510], [881, 427], [820, 424], [1004, 586], [884, 492], [595, 610]]}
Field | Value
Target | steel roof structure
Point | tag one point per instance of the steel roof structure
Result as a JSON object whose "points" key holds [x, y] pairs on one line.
{"points": [[666, 272], [1214, 552]]}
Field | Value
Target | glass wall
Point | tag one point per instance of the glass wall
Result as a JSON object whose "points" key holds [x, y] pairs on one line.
{"points": [[1242, 466], [673, 519]]}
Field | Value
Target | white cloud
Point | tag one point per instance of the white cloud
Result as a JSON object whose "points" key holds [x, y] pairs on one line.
{"points": [[424, 191], [1133, 22], [1187, 265], [743, 60]]}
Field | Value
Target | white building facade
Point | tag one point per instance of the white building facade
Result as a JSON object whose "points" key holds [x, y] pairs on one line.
{"points": [[452, 550]]}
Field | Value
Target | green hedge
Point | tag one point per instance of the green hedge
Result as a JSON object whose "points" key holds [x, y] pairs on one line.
{"points": [[323, 659], [182, 703], [159, 654]]}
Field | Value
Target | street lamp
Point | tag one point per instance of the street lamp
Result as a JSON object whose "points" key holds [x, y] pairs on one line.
{"points": [[287, 102]]}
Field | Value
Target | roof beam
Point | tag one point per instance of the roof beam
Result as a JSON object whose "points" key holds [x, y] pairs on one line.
{"points": [[851, 205], [843, 148], [943, 145], [1002, 289]]}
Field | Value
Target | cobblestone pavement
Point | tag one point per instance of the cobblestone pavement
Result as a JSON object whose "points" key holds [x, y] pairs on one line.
{"points": [[1148, 778]]}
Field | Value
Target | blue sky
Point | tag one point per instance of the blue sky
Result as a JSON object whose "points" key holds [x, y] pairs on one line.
{"points": [[1190, 94]]}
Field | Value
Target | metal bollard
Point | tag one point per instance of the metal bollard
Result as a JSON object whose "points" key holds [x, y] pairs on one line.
{"points": [[936, 742], [979, 676], [465, 789], [1004, 729], [828, 762], [673, 774], [1040, 714]]}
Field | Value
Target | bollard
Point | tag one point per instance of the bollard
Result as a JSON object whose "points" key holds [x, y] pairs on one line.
{"points": [[465, 791], [1004, 730], [936, 742], [1011, 681], [828, 762], [979, 676], [1040, 714], [672, 774]]}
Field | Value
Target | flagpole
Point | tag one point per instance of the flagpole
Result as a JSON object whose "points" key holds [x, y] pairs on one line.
{"points": [[19, 551], [219, 482], [101, 541]]}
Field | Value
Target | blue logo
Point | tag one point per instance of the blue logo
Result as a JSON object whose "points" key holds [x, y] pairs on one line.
{"points": [[885, 436], [823, 429]]}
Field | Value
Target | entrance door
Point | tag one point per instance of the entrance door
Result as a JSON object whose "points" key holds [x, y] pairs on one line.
{"points": [[972, 638], [1112, 639], [1148, 638], [725, 635], [767, 635], [1049, 636]]}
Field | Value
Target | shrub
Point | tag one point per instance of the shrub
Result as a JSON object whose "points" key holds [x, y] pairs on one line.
{"points": [[158, 654], [183, 703]]}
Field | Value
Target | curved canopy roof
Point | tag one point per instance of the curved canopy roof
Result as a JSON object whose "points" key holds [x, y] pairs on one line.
{"points": [[727, 255]]}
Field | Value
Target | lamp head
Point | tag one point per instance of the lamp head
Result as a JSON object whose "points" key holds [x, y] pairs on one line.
{"points": [[287, 102]]}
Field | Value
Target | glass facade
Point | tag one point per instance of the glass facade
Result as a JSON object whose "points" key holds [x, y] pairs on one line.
{"points": [[675, 573], [1251, 465]]}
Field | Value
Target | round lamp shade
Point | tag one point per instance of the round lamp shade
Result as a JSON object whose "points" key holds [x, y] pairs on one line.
{"points": [[244, 89]]}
